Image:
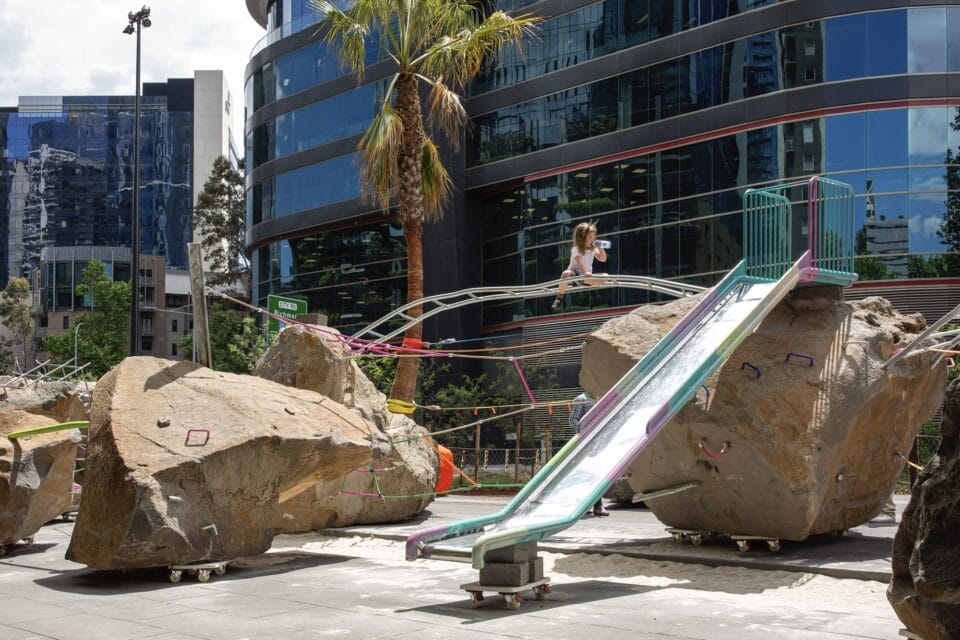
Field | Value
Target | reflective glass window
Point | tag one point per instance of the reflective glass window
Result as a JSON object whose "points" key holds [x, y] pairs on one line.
{"points": [[338, 117], [313, 186], [599, 29], [927, 30], [296, 71]]}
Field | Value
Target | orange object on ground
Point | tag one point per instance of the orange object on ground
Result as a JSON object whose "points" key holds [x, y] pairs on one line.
{"points": [[445, 481]]}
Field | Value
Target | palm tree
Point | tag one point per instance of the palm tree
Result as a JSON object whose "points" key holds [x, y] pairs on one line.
{"points": [[439, 45]]}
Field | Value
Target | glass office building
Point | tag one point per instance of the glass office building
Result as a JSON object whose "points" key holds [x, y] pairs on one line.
{"points": [[650, 118], [66, 192], [67, 174]]}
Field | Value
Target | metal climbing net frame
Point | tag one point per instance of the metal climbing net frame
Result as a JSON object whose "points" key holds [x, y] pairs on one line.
{"points": [[43, 373], [768, 231], [432, 305]]}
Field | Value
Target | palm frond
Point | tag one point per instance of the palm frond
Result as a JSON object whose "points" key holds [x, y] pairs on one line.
{"points": [[459, 57], [437, 184], [380, 144], [446, 111], [346, 32]]}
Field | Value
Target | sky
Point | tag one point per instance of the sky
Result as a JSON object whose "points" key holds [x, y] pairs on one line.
{"points": [[76, 47]]}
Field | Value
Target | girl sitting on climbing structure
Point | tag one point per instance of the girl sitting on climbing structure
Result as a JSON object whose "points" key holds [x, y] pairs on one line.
{"points": [[585, 248]]}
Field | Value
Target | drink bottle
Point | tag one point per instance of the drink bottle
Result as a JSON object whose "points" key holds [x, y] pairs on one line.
{"points": [[602, 244]]}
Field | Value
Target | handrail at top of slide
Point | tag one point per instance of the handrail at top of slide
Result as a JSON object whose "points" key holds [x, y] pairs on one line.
{"points": [[682, 395]]}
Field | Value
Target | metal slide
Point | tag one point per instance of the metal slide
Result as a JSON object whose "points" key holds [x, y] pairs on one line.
{"points": [[624, 421]]}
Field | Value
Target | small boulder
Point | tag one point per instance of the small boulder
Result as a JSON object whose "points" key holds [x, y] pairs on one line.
{"points": [[36, 474], [204, 483], [320, 361], [61, 400], [815, 425], [925, 587]]}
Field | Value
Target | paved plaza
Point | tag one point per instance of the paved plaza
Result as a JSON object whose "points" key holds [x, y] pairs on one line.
{"points": [[616, 577]]}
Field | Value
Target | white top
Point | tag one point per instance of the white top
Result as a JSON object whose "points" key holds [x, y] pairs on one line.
{"points": [[586, 259]]}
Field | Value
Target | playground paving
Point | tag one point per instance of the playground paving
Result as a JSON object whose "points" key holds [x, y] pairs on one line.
{"points": [[615, 577]]}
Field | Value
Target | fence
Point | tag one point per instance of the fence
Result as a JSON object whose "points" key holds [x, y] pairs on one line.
{"points": [[498, 466]]}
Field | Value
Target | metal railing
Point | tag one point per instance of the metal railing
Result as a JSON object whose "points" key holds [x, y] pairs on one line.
{"points": [[432, 305], [768, 230]]}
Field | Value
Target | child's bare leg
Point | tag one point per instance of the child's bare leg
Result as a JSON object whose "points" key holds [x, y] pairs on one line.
{"points": [[563, 285], [558, 303]]}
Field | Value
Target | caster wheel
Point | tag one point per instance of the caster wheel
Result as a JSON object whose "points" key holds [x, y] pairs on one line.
{"points": [[743, 545], [540, 593], [513, 600], [28, 542], [203, 575], [3, 550], [696, 539], [175, 575], [476, 597], [678, 538], [774, 545], [841, 532], [220, 570]]}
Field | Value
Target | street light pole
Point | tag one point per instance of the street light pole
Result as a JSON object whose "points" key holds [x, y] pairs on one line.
{"points": [[140, 19], [76, 328]]}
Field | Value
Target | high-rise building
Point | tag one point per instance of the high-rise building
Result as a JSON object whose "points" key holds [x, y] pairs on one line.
{"points": [[650, 117], [66, 178]]}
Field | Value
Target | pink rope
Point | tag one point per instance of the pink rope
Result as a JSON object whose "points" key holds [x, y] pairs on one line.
{"points": [[523, 379], [712, 456]]}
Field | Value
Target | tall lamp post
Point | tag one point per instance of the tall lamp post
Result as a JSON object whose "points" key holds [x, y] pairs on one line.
{"points": [[76, 328], [136, 21]]}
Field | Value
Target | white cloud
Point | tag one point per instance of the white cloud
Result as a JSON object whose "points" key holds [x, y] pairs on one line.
{"points": [[76, 47], [929, 225]]}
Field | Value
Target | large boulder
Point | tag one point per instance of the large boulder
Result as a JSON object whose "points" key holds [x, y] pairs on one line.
{"points": [[189, 465], [36, 474], [814, 438], [321, 362], [925, 587]]}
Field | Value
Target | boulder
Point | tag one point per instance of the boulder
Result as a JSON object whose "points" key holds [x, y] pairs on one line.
{"points": [[925, 587], [62, 400], [36, 474], [814, 438], [188, 465], [320, 361]]}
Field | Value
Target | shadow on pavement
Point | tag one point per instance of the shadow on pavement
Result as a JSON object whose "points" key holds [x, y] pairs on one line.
{"points": [[107, 583], [575, 593]]}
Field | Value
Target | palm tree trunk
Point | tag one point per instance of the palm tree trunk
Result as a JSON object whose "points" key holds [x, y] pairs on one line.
{"points": [[411, 213]]}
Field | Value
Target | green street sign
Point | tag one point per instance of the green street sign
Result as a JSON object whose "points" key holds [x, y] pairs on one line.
{"points": [[285, 308]]}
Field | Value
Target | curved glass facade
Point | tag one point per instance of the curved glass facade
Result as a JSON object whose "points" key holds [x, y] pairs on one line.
{"points": [[338, 117], [310, 187], [598, 29], [677, 213], [350, 275], [863, 45], [674, 213], [295, 72]]}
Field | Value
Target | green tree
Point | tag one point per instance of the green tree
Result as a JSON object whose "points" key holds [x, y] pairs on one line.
{"points": [[932, 267], [235, 342], [16, 315], [103, 338], [442, 45], [221, 223]]}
